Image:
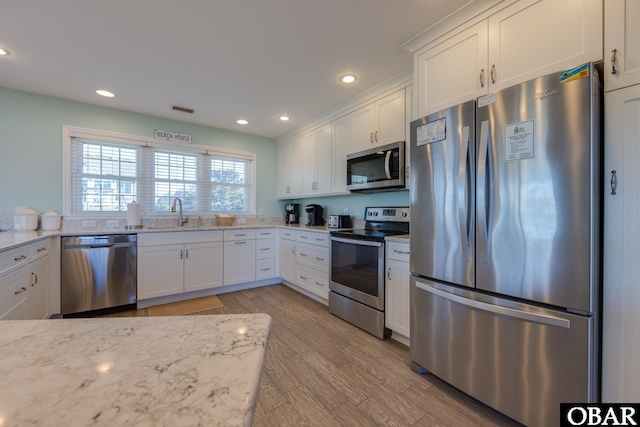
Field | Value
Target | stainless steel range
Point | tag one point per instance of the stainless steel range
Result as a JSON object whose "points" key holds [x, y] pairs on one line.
{"points": [[357, 269]]}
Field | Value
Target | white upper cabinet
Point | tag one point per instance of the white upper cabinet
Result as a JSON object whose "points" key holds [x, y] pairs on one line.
{"points": [[379, 123], [316, 161], [621, 43], [525, 40], [289, 168], [341, 146], [532, 38], [453, 71]]}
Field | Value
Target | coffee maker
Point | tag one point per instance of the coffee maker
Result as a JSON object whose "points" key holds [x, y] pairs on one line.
{"points": [[292, 213], [314, 215]]}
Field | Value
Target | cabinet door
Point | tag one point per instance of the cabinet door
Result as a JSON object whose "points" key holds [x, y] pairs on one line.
{"points": [[453, 71], [390, 119], [397, 302], [239, 261], [283, 169], [309, 162], [289, 168], [323, 156], [287, 252], [621, 317], [203, 266], [622, 33], [362, 128], [160, 271], [14, 291], [521, 49], [39, 291], [341, 146]]}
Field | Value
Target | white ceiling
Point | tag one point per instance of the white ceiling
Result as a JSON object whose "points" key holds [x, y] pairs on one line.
{"points": [[227, 59]]}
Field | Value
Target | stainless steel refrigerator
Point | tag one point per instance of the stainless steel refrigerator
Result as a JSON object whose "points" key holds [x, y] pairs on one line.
{"points": [[505, 245]]}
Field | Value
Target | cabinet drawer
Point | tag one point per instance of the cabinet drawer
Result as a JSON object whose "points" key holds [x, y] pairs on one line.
{"points": [[14, 289], [265, 269], [38, 249], [265, 248], [287, 234], [266, 233], [313, 281], [10, 260], [398, 251], [240, 234], [319, 239], [315, 257]]}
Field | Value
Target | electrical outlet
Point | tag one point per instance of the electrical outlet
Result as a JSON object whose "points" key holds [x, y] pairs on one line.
{"points": [[88, 223], [260, 211], [346, 211], [112, 224], [241, 220]]}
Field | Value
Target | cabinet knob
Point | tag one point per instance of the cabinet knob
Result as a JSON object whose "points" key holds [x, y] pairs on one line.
{"points": [[20, 291]]}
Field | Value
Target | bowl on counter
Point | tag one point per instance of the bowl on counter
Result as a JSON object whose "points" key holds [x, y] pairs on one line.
{"points": [[25, 219], [225, 220], [51, 221]]}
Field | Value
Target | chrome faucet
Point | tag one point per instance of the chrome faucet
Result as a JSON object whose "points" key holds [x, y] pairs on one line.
{"points": [[173, 209]]}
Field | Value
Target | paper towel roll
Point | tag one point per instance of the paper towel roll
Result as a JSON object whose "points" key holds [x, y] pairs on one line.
{"points": [[133, 214]]}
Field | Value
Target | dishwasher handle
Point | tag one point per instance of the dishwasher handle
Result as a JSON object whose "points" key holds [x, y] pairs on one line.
{"points": [[100, 246]]}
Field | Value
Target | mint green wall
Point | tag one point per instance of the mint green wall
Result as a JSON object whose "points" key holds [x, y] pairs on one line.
{"points": [[31, 147], [355, 202]]}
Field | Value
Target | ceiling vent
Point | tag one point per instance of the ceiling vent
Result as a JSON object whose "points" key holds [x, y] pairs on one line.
{"points": [[183, 109]]}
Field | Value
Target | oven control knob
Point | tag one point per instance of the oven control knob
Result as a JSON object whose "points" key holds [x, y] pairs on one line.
{"points": [[375, 214], [404, 214]]}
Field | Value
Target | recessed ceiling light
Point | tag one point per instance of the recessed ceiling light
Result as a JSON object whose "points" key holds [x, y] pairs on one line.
{"points": [[4, 52], [106, 93], [285, 118], [242, 122], [348, 78]]}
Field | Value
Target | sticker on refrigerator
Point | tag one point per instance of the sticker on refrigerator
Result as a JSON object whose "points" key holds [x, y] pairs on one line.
{"points": [[574, 73], [431, 132], [518, 141]]}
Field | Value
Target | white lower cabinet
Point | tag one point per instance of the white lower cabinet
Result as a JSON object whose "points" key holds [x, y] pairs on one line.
{"points": [[287, 255], [397, 304], [25, 282], [177, 262], [304, 260], [265, 254], [239, 256]]}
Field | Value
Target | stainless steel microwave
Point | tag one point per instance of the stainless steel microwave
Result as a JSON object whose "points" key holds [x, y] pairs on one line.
{"points": [[377, 169]]}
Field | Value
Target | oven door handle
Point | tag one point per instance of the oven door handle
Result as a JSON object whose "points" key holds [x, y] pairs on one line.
{"points": [[356, 241]]}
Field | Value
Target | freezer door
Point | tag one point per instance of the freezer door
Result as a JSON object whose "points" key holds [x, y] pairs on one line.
{"points": [[442, 195], [537, 192], [519, 359]]}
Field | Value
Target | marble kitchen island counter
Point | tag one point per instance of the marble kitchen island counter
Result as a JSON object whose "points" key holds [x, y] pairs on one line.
{"points": [[151, 371]]}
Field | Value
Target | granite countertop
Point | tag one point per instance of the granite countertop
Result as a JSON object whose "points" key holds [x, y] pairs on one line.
{"points": [[155, 371], [11, 239], [403, 238]]}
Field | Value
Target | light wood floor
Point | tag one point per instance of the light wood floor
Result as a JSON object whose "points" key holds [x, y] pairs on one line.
{"points": [[322, 371]]}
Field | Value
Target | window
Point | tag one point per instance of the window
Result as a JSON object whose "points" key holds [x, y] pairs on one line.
{"points": [[105, 171]]}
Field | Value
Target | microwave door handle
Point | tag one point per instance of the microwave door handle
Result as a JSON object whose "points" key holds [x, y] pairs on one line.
{"points": [[387, 159]]}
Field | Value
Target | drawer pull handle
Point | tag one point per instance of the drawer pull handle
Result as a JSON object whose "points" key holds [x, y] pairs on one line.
{"points": [[320, 259], [34, 275], [265, 249], [265, 234], [240, 235], [304, 278], [21, 257], [303, 254], [240, 243], [41, 249], [265, 269], [303, 237], [401, 252], [319, 284], [319, 239], [20, 291]]}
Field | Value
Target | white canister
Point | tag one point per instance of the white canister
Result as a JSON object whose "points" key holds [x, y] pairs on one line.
{"points": [[25, 219], [133, 215], [51, 221]]}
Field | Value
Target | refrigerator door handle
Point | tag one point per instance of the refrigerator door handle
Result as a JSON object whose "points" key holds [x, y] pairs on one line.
{"points": [[496, 309], [483, 232], [463, 208]]}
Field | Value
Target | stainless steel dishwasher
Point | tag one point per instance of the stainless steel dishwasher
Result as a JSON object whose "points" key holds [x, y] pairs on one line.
{"points": [[98, 273]]}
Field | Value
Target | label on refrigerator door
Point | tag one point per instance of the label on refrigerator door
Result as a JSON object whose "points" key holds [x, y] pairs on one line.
{"points": [[518, 141], [431, 132]]}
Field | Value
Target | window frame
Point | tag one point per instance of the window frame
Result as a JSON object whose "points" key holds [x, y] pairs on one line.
{"points": [[70, 132]]}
